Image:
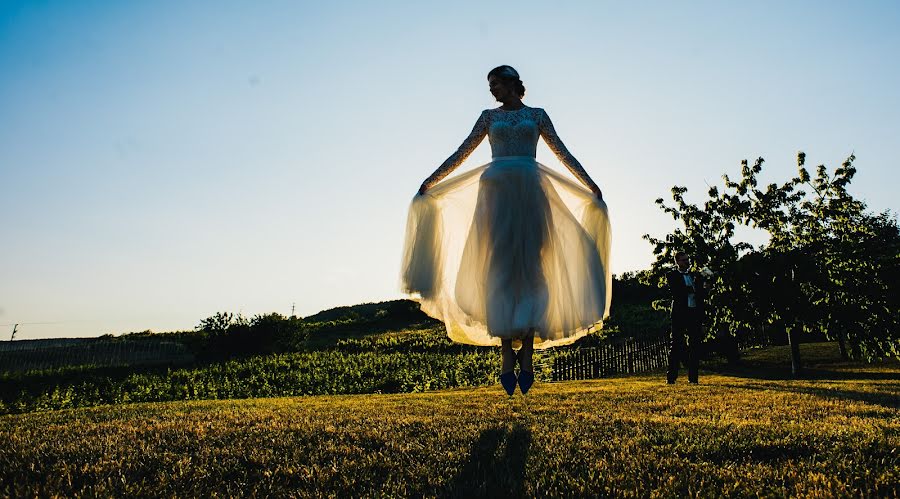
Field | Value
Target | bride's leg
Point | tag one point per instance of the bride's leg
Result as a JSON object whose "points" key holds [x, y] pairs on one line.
{"points": [[508, 362], [508, 356], [526, 362]]}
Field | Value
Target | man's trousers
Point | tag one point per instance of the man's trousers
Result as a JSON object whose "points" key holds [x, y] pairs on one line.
{"points": [[684, 343]]}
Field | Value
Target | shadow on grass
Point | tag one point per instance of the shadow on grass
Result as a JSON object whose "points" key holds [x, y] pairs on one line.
{"points": [[496, 465], [823, 363], [813, 373], [886, 396]]}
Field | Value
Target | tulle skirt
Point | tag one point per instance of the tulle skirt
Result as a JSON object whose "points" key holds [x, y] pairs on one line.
{"points": [[509, 249]]}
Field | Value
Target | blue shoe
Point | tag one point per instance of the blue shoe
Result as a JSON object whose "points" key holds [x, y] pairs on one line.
{"points": [[508, 380], [526, 379]]}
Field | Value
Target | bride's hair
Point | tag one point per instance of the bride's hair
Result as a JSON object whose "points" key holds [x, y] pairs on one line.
{"points": [[509, 74]]}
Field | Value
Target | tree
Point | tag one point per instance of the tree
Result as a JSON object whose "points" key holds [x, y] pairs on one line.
{"points": [[220, 323], [829, 266], [276, 333], [707, 233], [231, 335]]}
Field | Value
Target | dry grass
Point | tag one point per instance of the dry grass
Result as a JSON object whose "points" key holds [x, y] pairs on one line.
{"points": [[747, 433]]}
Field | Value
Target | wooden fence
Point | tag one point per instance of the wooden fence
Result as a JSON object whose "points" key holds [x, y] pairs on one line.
{"points": [[636, 356], [627, 357]]}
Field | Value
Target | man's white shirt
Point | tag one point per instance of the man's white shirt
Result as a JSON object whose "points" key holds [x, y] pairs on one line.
{"points": [[689, 281]]}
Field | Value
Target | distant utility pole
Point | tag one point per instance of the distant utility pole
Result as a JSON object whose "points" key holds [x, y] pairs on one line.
{"points": [[15, 326], [292, 309]]}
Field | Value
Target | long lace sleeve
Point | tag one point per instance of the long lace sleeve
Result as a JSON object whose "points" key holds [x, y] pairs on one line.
{"points": [[559, 149], [475, 137]]}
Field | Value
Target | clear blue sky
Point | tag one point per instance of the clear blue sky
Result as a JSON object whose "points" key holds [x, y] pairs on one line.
{"points": [[161, 161]]}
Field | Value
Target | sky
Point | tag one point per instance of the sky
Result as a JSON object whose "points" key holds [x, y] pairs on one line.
{"points": [[165, 160]]}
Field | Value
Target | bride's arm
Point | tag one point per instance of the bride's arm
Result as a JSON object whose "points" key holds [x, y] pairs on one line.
{"points": [[478, 132], [558, 148]]}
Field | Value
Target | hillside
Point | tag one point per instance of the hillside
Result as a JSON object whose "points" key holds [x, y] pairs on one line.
{"points": [[741, 433]]}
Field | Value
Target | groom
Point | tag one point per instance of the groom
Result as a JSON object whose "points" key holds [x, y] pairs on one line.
{"points": [[688, 290]]}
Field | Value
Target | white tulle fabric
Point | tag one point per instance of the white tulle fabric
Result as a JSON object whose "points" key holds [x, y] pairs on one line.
{"points": [[510, 247]]}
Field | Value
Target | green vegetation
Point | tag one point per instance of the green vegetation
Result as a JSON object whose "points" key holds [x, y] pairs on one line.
{"points": [[226, 335], [739, 433], [389, 347], [394, 362]]}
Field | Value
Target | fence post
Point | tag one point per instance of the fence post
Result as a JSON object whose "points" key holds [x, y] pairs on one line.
{"points": [[621, 358], [587, 364], [607, 359], [576, 365], [582, 365], [639, 357], [630, 357]]}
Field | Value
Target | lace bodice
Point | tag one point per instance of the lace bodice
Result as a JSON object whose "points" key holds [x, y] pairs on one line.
{"points": [[512, 133]]}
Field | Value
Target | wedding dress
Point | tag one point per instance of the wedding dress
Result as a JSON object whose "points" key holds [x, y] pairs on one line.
{"points": [[510, 246]]}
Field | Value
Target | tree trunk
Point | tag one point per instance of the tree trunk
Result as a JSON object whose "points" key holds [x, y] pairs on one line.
{"points": [[794, 342], [729, 348], [843, 347]]}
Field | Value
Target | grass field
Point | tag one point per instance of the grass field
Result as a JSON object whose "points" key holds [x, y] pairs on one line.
{"points": [[747, 432]]}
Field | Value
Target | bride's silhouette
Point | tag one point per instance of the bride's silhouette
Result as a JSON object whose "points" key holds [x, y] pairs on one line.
{"points": [[511, 253]]}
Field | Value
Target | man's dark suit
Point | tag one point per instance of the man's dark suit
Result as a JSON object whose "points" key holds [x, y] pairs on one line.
{"points": [[685, 337]]}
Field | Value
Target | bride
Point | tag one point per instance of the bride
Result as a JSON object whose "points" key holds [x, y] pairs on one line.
{"points": [[510, 253]]}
